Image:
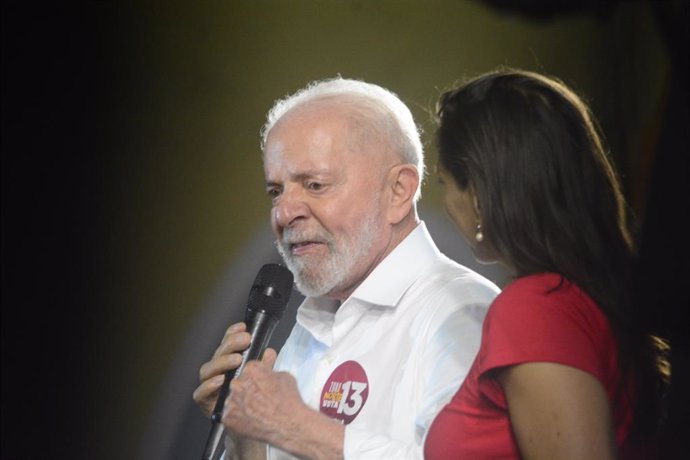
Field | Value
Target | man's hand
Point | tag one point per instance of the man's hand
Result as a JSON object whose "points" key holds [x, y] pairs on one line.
{"points": [[227, 357], [261, 400], [266, 406]]}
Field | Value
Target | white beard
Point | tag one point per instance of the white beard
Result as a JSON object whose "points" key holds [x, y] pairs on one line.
{"points": [[318, 277]]}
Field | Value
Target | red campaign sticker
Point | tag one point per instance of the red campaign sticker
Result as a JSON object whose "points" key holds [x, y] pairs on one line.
{"points": [[345, 392]]}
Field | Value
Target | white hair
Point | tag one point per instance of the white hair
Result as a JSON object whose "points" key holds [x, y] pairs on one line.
{"points": [[380, 109]]}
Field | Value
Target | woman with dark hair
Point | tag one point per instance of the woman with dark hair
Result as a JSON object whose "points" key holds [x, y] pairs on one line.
{"points": [[565, 368]]}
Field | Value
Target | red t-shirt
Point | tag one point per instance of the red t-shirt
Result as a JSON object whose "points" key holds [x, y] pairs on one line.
{"points": [[528, 322]]}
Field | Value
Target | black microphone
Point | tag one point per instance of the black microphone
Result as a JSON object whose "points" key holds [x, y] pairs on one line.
{"points": [[268, 298]]}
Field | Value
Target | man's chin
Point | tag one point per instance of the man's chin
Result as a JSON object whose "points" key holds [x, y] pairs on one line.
{"points": [[308, 285], [309, 290]]}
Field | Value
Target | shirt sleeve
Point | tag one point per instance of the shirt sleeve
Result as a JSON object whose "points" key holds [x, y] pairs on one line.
{"points": [[531, 322]]}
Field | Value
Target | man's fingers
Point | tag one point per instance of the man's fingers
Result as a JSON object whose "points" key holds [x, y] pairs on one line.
{"points": [[269, 357], [237, 341], [206, 394], [219, 365], [208, 388]]}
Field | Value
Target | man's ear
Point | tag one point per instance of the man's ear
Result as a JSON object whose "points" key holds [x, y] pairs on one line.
{"points": [[402, 184]]}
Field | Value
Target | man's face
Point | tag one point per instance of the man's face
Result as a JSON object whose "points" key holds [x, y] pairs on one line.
{"points": [[326, 191]]}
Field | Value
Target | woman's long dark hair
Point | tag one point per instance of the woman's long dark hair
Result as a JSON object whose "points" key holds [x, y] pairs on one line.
{"points": [[549, 196]]}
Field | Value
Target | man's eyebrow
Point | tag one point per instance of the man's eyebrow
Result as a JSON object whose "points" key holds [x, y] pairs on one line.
{"points": [[303, 176], [310, 174]]}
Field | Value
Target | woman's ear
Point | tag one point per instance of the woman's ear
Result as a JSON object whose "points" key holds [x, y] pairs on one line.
{"points": [[402, 184], [475, 200]]}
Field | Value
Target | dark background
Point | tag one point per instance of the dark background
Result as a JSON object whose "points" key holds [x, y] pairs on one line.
{"points": [[71, 76]]}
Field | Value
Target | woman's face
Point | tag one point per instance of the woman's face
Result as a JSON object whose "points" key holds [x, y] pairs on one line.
{"points": [[463, 209], [459, 205]]}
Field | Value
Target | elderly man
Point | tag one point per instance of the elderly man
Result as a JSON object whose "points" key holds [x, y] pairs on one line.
{"points": [[389, 327]]}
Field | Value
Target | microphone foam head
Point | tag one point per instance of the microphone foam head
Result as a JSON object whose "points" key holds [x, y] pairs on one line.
{"points": [[271, 290]]}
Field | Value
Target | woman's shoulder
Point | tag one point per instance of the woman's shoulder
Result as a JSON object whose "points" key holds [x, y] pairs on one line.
{"points": [[531, 286], [545, 293]]}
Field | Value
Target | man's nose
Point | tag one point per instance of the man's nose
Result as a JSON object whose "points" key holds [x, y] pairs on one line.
{"points": [[290, 208]]}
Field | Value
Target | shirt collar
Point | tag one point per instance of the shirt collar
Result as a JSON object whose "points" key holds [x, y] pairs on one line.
{"points": [[387, 283], [384, 286]]}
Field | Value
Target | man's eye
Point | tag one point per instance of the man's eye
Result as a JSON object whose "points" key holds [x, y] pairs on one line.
{"points": [[273, 193], [314, 186]]}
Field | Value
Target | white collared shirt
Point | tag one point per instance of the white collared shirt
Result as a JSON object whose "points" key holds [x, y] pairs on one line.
{"points": [[393, 354]]}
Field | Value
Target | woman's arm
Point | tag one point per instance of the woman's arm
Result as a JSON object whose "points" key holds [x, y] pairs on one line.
{"points": [[558, 412]]}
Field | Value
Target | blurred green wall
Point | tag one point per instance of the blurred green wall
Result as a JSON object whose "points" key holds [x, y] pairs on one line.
{"points": [[191, 87]]}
